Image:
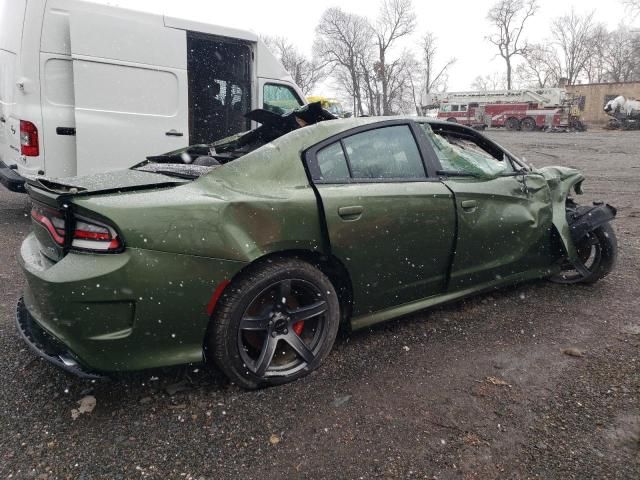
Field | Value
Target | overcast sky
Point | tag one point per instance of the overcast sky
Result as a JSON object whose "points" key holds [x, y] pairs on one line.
{"points": [[460, 25]]}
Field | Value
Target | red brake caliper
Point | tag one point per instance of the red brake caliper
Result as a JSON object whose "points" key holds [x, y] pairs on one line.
{"points": [[298, 326]]}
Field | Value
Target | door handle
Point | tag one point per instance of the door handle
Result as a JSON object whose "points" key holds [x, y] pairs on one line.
{"points": [[350, 213], [3, 120], [173, 133], [469, 205], [66, 131]]}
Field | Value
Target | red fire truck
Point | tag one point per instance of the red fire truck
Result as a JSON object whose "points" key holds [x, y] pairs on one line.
{"points": [[526, 110]]}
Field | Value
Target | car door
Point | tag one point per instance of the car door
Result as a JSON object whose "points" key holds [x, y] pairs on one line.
{"points": [[389, 223], [504, 214]]}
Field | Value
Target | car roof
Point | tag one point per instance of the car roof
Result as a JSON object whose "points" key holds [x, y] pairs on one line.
{"points": [[320, 131]]}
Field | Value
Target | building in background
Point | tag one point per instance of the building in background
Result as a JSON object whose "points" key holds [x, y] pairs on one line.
{"points": [[592, 98]]}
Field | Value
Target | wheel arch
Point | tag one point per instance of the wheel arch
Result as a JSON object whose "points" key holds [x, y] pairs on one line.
{"points": [[329, 264]]}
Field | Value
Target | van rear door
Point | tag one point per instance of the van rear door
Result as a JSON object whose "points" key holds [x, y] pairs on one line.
{"points": [[130, 88], [11, 22]]}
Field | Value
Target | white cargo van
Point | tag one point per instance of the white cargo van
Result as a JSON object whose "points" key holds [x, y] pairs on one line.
{"points": [[88, 88]]}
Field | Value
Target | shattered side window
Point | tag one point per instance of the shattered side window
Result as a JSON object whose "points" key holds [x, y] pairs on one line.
{"points": [[462, 155], [332, 164]]}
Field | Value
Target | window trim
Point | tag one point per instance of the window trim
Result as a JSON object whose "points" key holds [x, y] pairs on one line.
{"points": [[311, 164]]}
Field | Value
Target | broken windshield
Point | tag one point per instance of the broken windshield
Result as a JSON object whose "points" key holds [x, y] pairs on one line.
{"points": [[459, 153]]}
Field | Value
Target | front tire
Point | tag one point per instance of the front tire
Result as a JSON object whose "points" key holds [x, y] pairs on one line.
{"points": [[597, 251], [274, 324]]}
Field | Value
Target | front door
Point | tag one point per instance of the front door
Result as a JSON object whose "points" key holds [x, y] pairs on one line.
{"points": [[504, 227], [391, 226], [504, 215]]}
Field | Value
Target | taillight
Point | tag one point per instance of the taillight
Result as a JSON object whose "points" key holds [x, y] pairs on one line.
{"points": [[94, 236], [29, 146], [50, 219], [87, 234]]}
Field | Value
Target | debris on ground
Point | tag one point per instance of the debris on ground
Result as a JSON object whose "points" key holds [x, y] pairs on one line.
{"points": [[573, 352], [87, 404], [497, 381], [339, 401]]}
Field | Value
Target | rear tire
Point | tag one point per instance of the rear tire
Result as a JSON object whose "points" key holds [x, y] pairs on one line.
{"points": [[274, 324]]}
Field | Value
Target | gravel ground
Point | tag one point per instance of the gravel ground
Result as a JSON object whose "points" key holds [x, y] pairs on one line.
{"points": [[478, 389]]}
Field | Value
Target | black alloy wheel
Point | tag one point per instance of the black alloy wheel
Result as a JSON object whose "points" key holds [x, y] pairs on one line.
{"points": [[597, 251], [274, 324]]}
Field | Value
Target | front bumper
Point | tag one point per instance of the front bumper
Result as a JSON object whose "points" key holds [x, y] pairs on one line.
{"points": [[45, 345], [11, 179]]}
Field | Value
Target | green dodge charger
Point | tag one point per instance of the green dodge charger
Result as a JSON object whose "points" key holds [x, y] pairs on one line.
{"points": [[250, 253]]}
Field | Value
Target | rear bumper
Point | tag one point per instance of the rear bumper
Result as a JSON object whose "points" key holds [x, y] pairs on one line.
{"points": [[134, 310], [11, 179], [45, 345]]}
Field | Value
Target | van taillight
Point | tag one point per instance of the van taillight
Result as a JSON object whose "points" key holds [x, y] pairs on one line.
{"points": [[29, 146]]}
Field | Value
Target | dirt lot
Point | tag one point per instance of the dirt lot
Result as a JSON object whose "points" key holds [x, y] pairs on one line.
{"points": [[478, 389]]}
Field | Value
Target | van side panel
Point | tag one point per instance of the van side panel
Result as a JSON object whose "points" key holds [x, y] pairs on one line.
{"points": [[11, 22], [130, 92], [27, 89]]}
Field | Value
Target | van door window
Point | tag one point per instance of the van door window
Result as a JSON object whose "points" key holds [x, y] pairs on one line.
{"points": [[219, 87], [280, 99]]}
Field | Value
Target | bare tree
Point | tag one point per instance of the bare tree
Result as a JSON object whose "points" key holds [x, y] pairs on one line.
{"points": [[306, 72], [540, 69], [342, 41], [396, 19], [433, 76], [486, 83], [633, 7], [573, 36], [595, 66], [620, 60], [508, 17]]}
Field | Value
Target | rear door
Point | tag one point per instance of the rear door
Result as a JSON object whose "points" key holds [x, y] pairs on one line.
{"points": [[130, 88], [11, 23], [389, 223], [504, 216]]}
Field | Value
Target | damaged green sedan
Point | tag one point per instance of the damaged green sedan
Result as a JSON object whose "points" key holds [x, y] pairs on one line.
{"points": [[250, 253]]}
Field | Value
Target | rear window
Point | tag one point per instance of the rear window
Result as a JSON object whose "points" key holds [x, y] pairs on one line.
{"points": [[384, 153], [332, 163]]}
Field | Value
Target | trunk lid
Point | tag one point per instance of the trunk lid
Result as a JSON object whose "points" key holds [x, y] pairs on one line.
{"points": [[54, 216], [109, 182]]}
